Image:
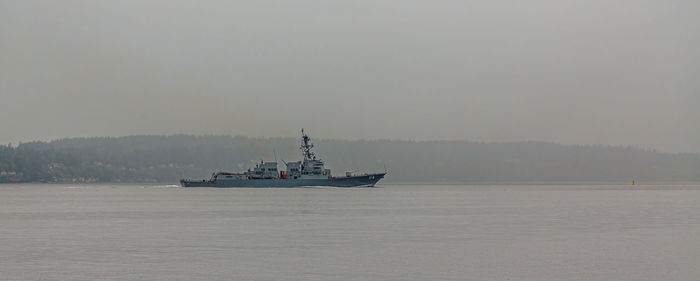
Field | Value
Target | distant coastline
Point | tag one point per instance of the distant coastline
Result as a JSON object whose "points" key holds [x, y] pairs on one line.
{"points": [[165, 159]]}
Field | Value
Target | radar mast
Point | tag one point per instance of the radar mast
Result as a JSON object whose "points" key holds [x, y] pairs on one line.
{"points": [[306, 147]]}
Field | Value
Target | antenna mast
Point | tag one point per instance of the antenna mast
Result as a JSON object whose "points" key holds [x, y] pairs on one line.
{"points": [[306, 146]]}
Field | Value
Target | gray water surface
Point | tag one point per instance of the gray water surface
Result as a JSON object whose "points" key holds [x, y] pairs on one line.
{"points": [[407, 232]]}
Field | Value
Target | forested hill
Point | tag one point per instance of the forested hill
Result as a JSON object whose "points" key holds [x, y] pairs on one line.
{"points": [[169, 158]]}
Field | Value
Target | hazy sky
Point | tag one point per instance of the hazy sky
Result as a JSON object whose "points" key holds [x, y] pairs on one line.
{"points": [[578, 72]]}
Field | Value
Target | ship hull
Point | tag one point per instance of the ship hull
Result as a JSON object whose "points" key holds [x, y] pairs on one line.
{"points": [[351, 181]]}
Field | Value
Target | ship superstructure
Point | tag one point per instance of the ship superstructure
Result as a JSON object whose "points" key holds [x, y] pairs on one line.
{"points": [[311, 171]]}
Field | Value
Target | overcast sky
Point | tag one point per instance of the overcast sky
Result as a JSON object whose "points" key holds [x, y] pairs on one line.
{"points": [[574, 72]]}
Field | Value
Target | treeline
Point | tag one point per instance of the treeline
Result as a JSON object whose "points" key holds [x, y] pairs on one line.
{"points": [[169, 158]]}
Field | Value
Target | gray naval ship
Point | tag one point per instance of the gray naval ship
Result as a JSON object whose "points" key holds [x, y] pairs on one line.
{"points": [[309, 172]]}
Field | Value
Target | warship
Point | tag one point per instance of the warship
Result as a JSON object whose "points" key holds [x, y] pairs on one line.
{"points": [[309, 172]]}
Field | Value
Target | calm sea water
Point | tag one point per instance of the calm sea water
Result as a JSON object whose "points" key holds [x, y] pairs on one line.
{"points": [[407, 232]]}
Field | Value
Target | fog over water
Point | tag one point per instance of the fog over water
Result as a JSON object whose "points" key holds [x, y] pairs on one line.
{"points": [[574, 72]]}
